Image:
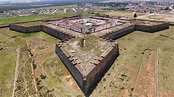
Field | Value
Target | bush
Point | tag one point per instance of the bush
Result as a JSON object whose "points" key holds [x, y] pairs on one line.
{"points": [[43, 76], [34, 66]]}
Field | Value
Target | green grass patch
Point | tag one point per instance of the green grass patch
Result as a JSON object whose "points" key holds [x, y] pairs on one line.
{"points": [[23, 35], [34, 17], [119, 13], [29, 24], [90, 42], [65, 6]]}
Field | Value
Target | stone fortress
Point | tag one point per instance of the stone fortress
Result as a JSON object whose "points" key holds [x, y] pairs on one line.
{"points": [[87, 24], [87, 48]]}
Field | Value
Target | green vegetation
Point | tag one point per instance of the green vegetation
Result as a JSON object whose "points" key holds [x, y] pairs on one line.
{"points": [[24, 75], [65, 6], [40, 17], [23, 35], [156, 17], [119, 13], [133, 48], [143, 22], [7, 65], [31, 24], [89, 42], [34, 17], [88, 14]]}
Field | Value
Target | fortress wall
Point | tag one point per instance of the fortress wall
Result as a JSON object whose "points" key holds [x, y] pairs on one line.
{"points": [[55, 33], [153, 28], [71, 68], [18, 28], [4, 26], [96, 74], [146, 28], [171, 24], [46, 29], [24, 29], [119, 33], [34, 28]]}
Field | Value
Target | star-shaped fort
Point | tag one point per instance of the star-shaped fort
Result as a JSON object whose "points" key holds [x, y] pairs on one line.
{"points": [[87, 48]]}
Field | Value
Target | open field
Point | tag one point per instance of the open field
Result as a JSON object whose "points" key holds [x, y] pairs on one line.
{"points": [[158, 17], [65, 6], [133, 73], [8, 58], [40, 17], [29, 24], [119, 13], [34, 17]]}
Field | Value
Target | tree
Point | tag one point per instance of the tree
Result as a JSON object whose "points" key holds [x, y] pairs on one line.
{"points": [[135, 15], [98, 14]]}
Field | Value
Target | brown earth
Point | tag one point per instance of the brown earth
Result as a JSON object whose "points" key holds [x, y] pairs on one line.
{"points": [[166, 94], [37, 72], [146, 82]]}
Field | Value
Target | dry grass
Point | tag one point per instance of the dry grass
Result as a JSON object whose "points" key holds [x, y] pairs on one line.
{"points": [[120, 13]]}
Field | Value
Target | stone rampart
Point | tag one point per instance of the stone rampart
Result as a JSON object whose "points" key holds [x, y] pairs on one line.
{"points": [[105, 62], [121, 32], [24, 29], [34, 29], [55, 33], [69, 65], [4, 26], [18, 28], [152, 28], [91, 79]]}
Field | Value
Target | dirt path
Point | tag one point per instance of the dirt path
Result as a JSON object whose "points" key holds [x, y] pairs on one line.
{"points": [[16, 71], [34, 80], [157, 65], [25, 80], [146, 83]]}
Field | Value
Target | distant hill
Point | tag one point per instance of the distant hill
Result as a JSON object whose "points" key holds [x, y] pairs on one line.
{"points": [[29, 1], [138, 0]]}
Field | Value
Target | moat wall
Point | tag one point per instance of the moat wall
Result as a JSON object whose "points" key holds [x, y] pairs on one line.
{"points": [[145, 28], [53, 32], [70, 67], [119, 33], [91, 80], [98, 72], [18, 28], [153, 28]]}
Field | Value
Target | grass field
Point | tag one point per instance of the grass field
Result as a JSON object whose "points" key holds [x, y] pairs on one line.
{"points": [[34, 17], [29, 24], [65, 6], [40, 17], [139, 50], [7, 61], [119, 13], [158, 17]]}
